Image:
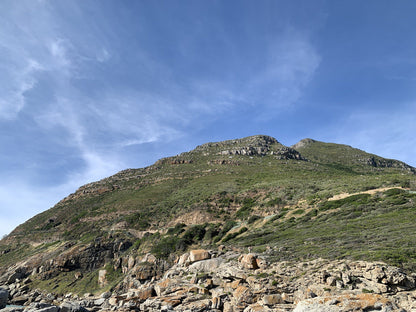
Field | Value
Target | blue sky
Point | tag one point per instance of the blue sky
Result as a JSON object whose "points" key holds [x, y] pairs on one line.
{"points": [[88, 88]]}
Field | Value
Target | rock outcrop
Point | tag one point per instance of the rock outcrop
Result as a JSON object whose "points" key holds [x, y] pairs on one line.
{"points": [[204, 280]]}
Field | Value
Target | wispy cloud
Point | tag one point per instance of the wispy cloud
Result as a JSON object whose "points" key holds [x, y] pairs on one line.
{"points": [[59, 52], [290, 64], [76, 81], [19, 79]]}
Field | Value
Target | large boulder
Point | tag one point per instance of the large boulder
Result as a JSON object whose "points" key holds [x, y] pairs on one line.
{"points": [[198, 255], [70, 306], [249, 261], [4, 296], [210, 265]]}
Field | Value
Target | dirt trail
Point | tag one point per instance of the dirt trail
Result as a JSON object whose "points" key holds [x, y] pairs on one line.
{"points": [[373, 191]]}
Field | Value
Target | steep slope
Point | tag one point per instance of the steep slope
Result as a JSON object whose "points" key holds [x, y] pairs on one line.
{"points": [[245, 192]]}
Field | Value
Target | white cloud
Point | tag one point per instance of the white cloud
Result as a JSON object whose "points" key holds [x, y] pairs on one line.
{"points": [[290, 65], [100, 124], [59, 51], [18, 80]]}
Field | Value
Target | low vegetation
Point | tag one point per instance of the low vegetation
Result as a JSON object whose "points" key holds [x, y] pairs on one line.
{"points": [[245, 193]]}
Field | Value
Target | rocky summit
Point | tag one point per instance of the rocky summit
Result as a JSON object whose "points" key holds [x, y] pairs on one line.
{"points": [[240, 225]]}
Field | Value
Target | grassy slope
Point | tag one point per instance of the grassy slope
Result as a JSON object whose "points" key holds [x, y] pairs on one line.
{"points": [[377, 227]]}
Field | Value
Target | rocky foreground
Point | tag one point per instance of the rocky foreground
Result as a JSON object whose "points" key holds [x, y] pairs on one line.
{"points": [[228, 281]]}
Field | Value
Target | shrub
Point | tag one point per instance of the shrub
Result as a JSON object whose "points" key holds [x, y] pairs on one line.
{"points": [[165, 247], [353, 200], [245, 210], [177, 229], [212, 231], [274, 202], [253, 219], [194, 234]]}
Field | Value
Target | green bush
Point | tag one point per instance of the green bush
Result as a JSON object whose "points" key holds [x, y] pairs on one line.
{"points": [[245, 210], [211, 231], [274, 202], [138, 220], [253, 219], [166, 246], [354, 200], [177, 229], [194, 234], [394, 192]]}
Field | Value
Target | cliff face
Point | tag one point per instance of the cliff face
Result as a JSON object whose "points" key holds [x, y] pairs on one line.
{"points": [[314, 200]]}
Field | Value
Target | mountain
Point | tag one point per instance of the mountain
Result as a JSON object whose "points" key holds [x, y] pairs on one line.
{"points": [[308, 201]]}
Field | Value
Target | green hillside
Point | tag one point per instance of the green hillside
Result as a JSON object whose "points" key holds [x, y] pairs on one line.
{"points": [[246, 192]]}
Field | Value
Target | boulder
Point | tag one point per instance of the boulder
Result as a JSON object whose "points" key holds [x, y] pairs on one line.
{"points": [[198, 255], [51, 308], [272, 299], [105, 295], [99, 301], [70, 306], [36, 306], [183, 259], [149, 258], [210, 265], [261, 263], [145, 294], [165, 286], [102, 278], [20, 300], [249, 261], [243, 295]]}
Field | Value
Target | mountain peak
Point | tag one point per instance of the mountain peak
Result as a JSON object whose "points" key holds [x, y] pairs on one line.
{"points": [[302, 143], [256, 145], [251, 141]]}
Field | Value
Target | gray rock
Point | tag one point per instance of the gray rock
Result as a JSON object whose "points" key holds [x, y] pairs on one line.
{"points": [[99, 302], [4, 296], [210, 265], [38, 305], [72, 307], [46, 309], [106, 295], [20, 300]]}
